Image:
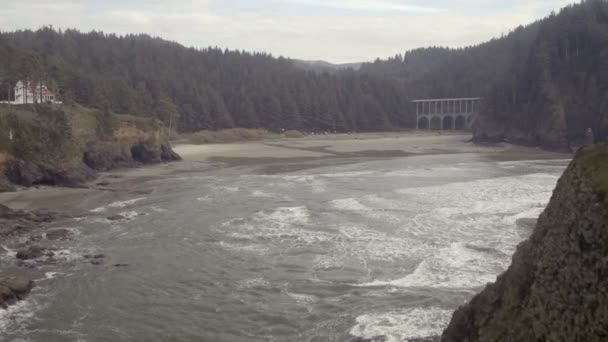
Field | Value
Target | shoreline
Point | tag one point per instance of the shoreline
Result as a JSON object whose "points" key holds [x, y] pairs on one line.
{"points": [[265, 156]]}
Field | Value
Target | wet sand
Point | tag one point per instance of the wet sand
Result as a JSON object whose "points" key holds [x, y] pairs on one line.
{"points": [[273, 156]]}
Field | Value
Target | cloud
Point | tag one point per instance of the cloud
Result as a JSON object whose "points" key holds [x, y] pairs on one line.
{"points": [[333, 30], [368, 5]]}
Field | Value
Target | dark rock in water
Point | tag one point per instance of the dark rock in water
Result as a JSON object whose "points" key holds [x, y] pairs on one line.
{"points": [[13, 289], [58, 234], [115, 218], [14, 222], [99, 256], [556, 289], [32, 252], [96, 262], [121, 265]]}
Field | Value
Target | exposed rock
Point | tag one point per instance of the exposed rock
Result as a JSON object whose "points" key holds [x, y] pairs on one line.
{"points": [[167, 154], [121, 265], [13, 289], [5, 184], [103, 156], [58, 234], [32, 252], [115, 217], [557, 286], [96, 256], [24, 172], [28, 173], [17, 221]]}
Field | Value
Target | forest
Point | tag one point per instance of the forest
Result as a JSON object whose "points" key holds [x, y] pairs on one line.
{"points": [[195, 89], [543, 83]]}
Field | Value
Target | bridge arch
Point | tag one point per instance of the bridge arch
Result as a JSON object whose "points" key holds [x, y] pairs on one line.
{"points": [[423, 123], [448, 123], [460, 123], [436, 123]]}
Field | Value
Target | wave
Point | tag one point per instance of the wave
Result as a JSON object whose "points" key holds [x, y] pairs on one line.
{"points": [[459, 266], [118, 204], [398, 326]]}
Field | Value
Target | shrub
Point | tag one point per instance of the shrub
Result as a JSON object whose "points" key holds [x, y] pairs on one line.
{"points": [[294, 134]]}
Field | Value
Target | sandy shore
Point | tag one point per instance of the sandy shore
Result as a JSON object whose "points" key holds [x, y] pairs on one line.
{"points": [[281, 155]]}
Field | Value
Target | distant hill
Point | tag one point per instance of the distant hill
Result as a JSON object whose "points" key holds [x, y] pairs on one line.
{"points": [[323, 66]]}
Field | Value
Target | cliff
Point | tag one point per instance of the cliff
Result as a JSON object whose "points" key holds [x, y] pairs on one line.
{"points": [[557, 286], [67, 145]]}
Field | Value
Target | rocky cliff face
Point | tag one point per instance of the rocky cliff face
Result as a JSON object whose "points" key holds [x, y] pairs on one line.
{"points": [[557, 286], [135, 142]]}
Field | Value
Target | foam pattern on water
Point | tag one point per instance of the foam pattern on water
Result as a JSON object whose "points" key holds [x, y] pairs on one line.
{"points": [[398, 326]]}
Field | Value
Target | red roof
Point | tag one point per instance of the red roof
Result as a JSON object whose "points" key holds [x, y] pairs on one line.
{"points": [[37, 89]]}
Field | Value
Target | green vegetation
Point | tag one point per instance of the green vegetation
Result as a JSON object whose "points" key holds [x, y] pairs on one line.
{"points": [[593, 161], [106, 124], [228, 136], [46, 138]]}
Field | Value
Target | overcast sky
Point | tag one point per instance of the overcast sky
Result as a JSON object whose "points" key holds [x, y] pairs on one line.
{"points": [[332, 30]]}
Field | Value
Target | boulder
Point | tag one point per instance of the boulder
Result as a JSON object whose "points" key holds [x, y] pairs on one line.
{"points": [[58, 234], [115, 217], [556, 288], [32, 252], [13, 289]]}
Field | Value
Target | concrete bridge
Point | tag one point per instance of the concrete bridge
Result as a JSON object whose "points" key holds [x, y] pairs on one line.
{"points": [[447, 114]]}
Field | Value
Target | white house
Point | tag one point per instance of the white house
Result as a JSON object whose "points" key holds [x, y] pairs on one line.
{"points": [[28, 92]]}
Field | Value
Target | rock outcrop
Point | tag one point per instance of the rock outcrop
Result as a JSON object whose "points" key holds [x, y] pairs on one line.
{"points": [[557, 286], [135, 142], [103, 156], [27, 173]]}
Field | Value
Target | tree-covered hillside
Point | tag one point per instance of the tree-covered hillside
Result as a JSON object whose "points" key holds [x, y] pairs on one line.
{"points": [[198, 89], [561, 88], [543, 84]]}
